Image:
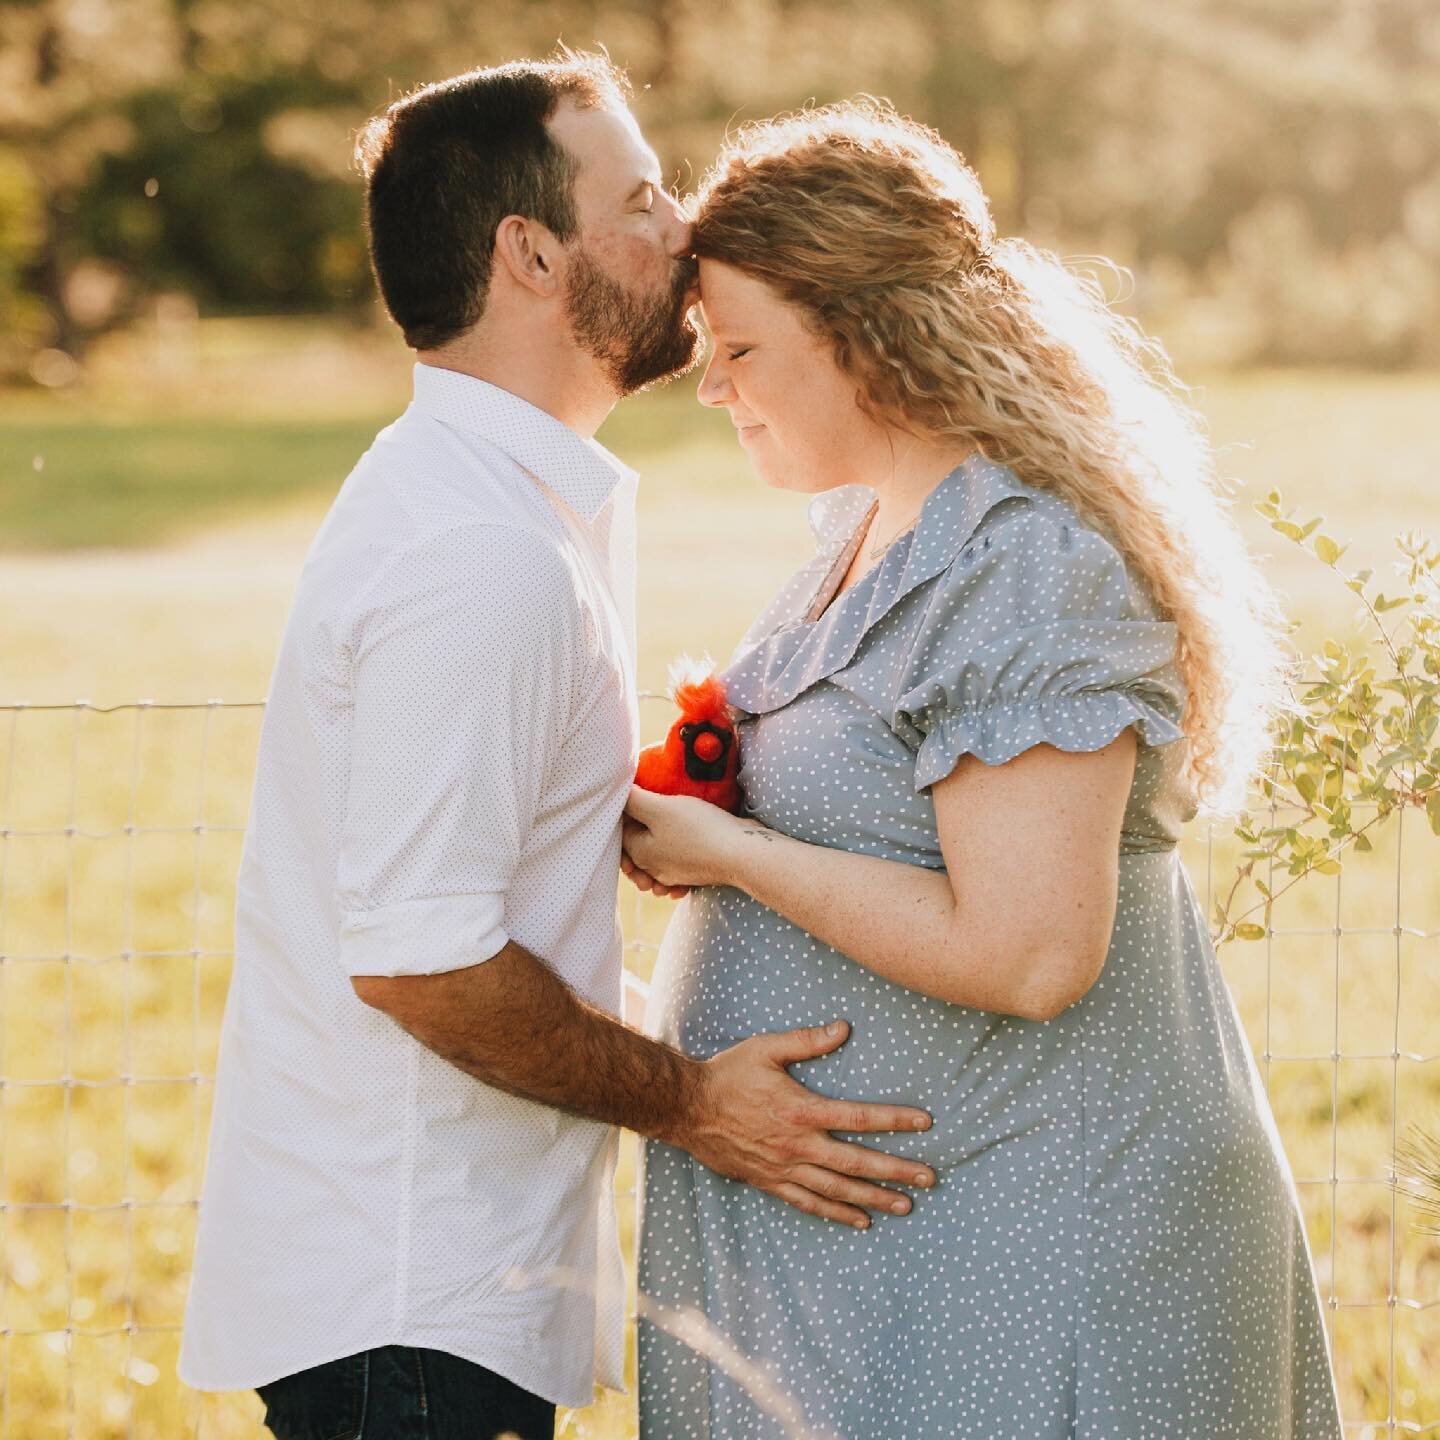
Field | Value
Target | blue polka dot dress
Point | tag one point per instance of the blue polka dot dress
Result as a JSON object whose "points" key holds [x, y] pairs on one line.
{"points": [[1114, 1250]]}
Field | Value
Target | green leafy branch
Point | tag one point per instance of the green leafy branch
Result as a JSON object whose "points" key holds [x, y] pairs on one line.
{"points": [[1362, 734]]}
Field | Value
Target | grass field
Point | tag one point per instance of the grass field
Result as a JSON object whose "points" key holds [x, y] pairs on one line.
{"points": [[152, 553]]}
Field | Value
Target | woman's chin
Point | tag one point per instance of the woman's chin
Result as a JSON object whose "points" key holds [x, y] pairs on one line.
{"points": [[769, 475], [775, 474], [776, 480]]}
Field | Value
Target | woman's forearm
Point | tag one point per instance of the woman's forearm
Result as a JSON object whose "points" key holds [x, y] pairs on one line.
{"points": [[901, 921]]}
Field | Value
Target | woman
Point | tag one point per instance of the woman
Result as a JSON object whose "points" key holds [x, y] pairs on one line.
{"points": [[971, 728]]}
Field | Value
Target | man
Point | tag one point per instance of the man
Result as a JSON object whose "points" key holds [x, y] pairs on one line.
{"points": [[407, 1212]]}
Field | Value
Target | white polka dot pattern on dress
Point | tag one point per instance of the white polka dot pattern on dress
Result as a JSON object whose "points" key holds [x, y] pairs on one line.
{"points": [[1114, 1250]]}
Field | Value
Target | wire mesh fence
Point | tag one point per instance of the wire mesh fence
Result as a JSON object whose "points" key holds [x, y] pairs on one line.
{"points": [[120, 833]]}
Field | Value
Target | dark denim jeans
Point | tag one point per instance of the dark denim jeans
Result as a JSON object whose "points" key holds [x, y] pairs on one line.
{"points": [[402, 1393]]}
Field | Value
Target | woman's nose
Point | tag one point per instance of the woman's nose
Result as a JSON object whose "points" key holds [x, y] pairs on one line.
{"points": [[714, 386]]}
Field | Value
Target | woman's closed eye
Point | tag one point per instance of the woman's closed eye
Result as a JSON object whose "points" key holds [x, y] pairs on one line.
{"points": [[740, 353]]}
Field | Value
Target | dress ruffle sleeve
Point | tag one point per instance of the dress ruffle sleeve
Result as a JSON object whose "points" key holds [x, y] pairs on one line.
{"points": [[1036, 634]]}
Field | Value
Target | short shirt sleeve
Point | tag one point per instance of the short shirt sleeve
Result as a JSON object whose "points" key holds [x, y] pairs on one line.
{"points": [[464, 665], [1035, 635]]}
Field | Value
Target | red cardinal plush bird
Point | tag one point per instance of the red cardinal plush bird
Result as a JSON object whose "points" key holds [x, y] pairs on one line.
{"points": [[701, 754]]}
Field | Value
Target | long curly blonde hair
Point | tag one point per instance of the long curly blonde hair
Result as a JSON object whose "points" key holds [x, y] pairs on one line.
{"points": [[880, 234]]}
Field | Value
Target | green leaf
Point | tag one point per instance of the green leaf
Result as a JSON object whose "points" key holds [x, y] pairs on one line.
{"points": [[1362, 843], [1249, 930], [1288, 528], [1305, 783], [1432, 810], [1392, 758], [1327, 549], [1334, 785]]}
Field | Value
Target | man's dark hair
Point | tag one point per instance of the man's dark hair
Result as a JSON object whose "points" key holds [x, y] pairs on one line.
{"points": [[444, 165]]}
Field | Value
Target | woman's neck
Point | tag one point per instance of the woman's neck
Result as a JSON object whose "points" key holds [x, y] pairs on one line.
{"points": [[903, 486]]}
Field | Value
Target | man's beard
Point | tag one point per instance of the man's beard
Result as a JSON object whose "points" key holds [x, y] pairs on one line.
{"points": [[637, 338]]}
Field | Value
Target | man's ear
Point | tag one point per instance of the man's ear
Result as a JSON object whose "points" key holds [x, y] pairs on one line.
{"points": [[530, 252]]}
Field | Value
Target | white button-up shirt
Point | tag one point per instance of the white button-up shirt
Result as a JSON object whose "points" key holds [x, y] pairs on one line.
{"points": [[446, 753]]}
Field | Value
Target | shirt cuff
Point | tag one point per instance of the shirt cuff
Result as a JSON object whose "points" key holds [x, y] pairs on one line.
{"points": [[423, 937]]}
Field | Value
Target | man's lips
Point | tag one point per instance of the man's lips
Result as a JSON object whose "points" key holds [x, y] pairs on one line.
{"points": [[747, 432]]}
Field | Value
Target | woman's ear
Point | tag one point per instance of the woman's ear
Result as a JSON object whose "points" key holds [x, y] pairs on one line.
{"points": [[529, 252]]}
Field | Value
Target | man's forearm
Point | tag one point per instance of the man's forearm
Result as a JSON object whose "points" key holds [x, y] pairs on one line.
{"points": [[513, 1023]]}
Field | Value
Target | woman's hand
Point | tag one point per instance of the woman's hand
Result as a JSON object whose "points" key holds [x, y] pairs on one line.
{"points": [[642, 880], [677, 841]]}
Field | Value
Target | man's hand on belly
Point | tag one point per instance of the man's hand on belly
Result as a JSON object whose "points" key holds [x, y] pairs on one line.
{"points": [[754, 1123], [513, 1023]]}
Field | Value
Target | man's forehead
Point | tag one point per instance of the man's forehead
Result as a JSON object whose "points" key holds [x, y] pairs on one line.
{"points": [[605, 141]]}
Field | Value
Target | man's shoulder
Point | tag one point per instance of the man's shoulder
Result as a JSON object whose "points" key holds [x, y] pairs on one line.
{"points": [[425, 507], [429, 468]]}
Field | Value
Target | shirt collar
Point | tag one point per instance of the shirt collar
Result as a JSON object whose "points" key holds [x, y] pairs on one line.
{"points": [[784, 653], [583, 473]]}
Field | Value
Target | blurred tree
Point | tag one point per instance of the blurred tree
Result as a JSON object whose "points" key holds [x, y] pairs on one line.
{"points": [[65, 71], [224, 192]]}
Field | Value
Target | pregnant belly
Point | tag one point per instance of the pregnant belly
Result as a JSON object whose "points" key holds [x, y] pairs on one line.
{"points": [[729, 968]]}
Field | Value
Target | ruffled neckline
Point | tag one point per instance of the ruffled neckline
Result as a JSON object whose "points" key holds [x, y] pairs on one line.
{"points": [[784, 653]]}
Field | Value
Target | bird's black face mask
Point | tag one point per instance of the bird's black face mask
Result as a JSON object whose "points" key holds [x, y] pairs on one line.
{"points": [[707, 762]]}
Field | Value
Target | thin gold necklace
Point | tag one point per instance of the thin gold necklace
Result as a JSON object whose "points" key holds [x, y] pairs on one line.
{"points": [[871, 551]]}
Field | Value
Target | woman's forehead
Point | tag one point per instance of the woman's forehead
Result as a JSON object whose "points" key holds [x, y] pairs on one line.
{"points": [[730, 297]]}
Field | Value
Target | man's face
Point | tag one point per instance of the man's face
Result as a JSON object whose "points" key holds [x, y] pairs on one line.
{"points": [[631, 278]]}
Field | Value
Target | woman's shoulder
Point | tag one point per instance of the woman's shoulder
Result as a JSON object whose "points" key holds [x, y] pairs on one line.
{"points": [[1035, 554]]}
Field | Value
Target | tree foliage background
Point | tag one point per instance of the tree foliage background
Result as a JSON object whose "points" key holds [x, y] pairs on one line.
{"points": [[1268, 169]]}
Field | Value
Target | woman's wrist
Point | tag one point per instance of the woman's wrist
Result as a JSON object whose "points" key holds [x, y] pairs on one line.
{"points": [[747, 853]]}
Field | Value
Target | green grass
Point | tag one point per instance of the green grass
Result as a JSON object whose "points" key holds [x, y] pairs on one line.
{"points": [[142, 469], [133, 483]]}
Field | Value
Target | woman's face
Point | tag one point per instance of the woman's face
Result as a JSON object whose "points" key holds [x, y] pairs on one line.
{"points": [[794, 408]]}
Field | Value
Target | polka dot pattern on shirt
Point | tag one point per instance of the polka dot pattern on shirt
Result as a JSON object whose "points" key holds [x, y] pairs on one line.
{"points": [[450, 738]]}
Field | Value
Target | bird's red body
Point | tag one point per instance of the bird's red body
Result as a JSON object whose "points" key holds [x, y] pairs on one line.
{"points": [[701, 754]]}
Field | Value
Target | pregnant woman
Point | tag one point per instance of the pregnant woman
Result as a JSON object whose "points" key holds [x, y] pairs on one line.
{"points": [[972, 727]]}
